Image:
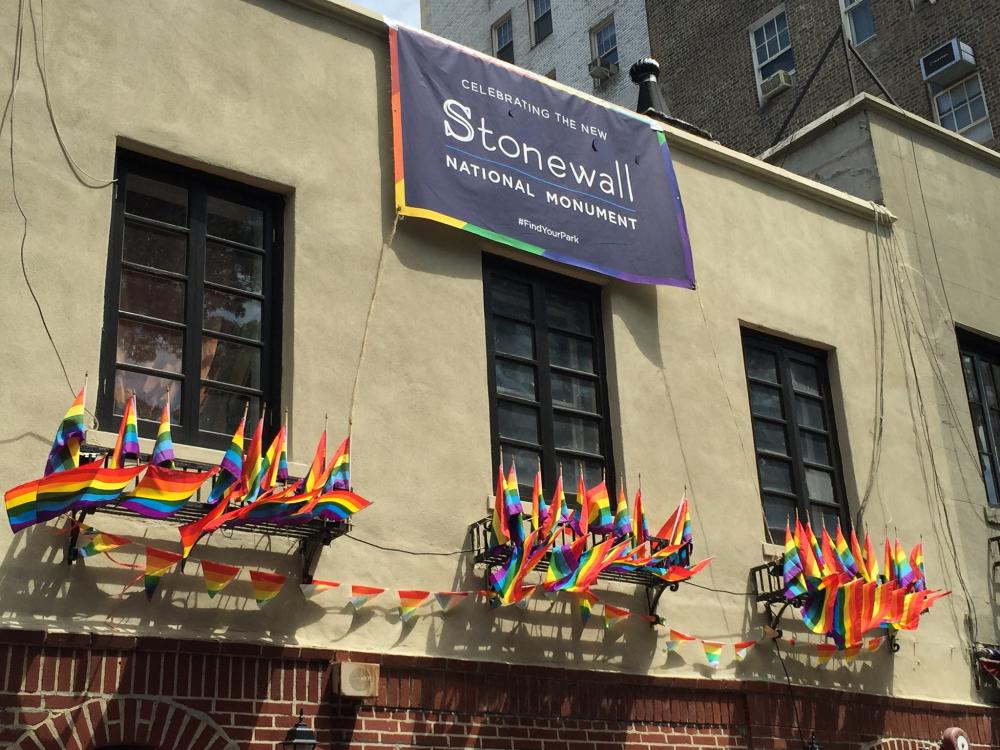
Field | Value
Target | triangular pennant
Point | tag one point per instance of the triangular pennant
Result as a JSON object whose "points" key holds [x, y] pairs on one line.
{"points": [[361, 595], [158, 563], [824, 651], [265, 585], [740, 649], [217, 576], [100, 542], [526, 593], [851, 652], [410, 602], [675, 639], [448, 600], [586, 601], [316, 587], [614, 615], [875, 643], [713, 652]]}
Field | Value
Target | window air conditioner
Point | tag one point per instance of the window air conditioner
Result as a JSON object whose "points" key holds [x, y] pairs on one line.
{"points": [[948, 63], [775, 84], [602, 70]]}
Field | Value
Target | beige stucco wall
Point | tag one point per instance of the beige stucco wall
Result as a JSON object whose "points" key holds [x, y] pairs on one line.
{"points": [[271, 93]]}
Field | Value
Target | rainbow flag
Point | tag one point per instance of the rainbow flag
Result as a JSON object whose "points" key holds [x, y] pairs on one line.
{"points": [[831, 562], [599, 518], [795, 584], [216, 516], [448, 600], [871, 561], [905, 572], [889, 568], [158, 563], [336, 505], [86, 486], [272, 461], [861, 567], [362, 595], [253, 464], [740, 649], [818, 613], [917, 563], [674, 639], [579, 518], [677, 573], [503, 578], [588, 568], [811, 570], [316, 587], [21, 504], [276, 507], [537, 501], [824, 651], [164, 491], [555, 512], [231, 465], [100, 542], [564, 560], [217, 576], [316, 468], [163, 449], [410, 602], [499, 530], [713, 652], [585, 600], [623, 519], [265, 585], [614, 615], [844, 553], [72, 432], [339, 470], [127, 444]]}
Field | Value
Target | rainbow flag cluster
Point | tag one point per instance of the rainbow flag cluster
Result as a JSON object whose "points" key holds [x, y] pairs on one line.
{"points": [[620, 540], [846, 593]]}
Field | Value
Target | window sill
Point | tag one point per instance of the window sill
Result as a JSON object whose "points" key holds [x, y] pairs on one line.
{"points": [[771, 551], [992, 514]]}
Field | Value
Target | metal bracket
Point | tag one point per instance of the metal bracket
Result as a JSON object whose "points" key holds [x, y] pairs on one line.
{"points": [[76, 523], [310, 548]]}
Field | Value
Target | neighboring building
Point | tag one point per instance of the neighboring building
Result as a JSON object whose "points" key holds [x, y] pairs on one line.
{"points": [[250, 251], [562, 39], [739, 69]]}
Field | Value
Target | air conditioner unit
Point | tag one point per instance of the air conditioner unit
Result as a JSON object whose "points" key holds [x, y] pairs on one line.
{"points": [[355, 679], [602, 70], [948, 63], [776, 83]]}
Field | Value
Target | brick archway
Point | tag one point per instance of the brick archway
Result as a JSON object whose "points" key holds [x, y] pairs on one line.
{"points": [[157, 724]]}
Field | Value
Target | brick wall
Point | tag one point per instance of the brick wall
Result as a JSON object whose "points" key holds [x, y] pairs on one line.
{"points": [[83, 692], [708, 73]]}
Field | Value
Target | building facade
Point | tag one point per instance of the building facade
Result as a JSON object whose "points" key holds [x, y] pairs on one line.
{"points": [[718, 60], [556, 38], [216, 214]]}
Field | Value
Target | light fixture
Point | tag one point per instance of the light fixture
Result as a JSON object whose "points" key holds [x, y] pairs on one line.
{"points": [[300, 737]]}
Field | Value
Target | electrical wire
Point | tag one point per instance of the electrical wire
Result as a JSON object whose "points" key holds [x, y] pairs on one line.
{"points": [[415, 553], [791, 692], [743, 594]]}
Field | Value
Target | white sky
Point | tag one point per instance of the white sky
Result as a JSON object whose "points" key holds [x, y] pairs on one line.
{"points": [[407, 11]]}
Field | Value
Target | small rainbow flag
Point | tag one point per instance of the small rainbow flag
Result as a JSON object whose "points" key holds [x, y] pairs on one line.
{"points": [[127, 445], [499, 528], [640, 532], [586, 601], [231, 464], [163, 449], [336, 505], [675, 639], [65, 451], [158, 564], [448, 600], [339, 469], [316, 587], [614, 615], [164, 491], [265, 585], [599, 505], [361, 595], [824, 651], [309, 481], [217, 576], [101, 542], [524, 596], [740, 649], [623, 519], [410, 602], [713, 652]]}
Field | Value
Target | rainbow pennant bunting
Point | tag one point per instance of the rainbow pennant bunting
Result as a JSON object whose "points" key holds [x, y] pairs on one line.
{"points": [[824, 651], [339, 470], [127, 444], [164, 491], [158, 563], [362, 595], [217, 576], [675, 639], [740, 649], [72, 432], [448, 600], [163, 448], [100, 542], [614, 615], [410, 602], [316, 587], [265, 585], [713, 652]]}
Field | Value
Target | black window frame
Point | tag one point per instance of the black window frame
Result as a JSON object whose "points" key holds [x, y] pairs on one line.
{"points": [[984, 354], [505, 52], [199, 185], [785, 353], [541, 25], [540, 280]]}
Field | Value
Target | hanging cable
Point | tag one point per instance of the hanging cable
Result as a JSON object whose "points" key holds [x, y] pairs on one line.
{"points": [[415, 553], [791, 692]]}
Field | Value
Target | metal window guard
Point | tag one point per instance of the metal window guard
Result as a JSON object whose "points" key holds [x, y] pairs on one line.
{"points": [[769, 589], [993, 544], [654, 586], [986, 664], [311, 536]]}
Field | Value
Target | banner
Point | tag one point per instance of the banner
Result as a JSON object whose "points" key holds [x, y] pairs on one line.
{"points": [[484, 147]]}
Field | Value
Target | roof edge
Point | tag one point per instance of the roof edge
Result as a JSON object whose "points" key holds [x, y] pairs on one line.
{"points": [[351, 13]]}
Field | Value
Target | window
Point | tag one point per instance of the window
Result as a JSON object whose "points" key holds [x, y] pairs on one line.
{"points": [[551, 74], [858, 20], [604, 42], [772, 46], [981, 369], [547, 384], [193, 300], [541, 18], [962, 108], [793, 431], [503, 39]]}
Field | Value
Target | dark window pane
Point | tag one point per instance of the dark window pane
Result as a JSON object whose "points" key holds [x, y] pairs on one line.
{"points": [[156, 248], [146, 345], [989, 478], [150, 395], [220, 411], [593, 472], [515, 380], [543, 27], [765, 401], [770, 437], [568, 351], [577, 393], [506, 53], [821, 516], [568, 313], [526, 462], [969, 371], [231, 221], [577, 433], [518, 422], [236, 268], [819, 485], [784, 61], [510, 298], [809, 412], [514, 338], [229, 362], [979, 428], [777, 512], [233, 314], [762, 365], [862, 25], [815, 448], [990, 373], [156, 200], [153, 296], [775, 474], [805, 379]]}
